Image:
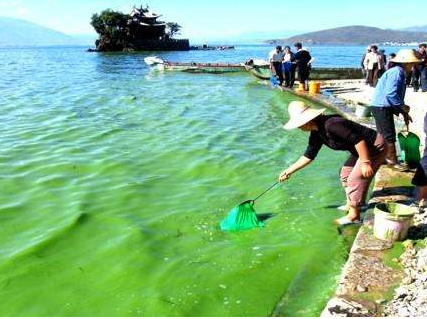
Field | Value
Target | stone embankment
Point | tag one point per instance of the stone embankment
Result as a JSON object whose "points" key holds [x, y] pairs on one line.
{"points": [[380, 278]]}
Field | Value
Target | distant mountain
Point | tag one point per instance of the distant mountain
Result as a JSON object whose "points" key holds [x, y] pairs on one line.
{"points": [[361, 35], [85, 39], [420, 28], [253, 37], [17, 32]]}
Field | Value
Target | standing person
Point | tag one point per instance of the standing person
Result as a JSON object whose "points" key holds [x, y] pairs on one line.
{"points": [[390, 64], [372, 64], [382, 63], [302, 61], [420, 176], [362, 64], [420, 70], [389, 100], [275, 59], [289, 67], [366, 147], [409, 76]]}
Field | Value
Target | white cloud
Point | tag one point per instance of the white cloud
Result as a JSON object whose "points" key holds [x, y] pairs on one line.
{"points": [[13, 8]]}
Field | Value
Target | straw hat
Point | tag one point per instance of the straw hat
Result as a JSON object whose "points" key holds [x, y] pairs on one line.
{"points": [[405, 56], [300, 114]]}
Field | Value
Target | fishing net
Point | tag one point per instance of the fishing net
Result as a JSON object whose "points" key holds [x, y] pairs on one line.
{"points": [[410, 148], [241, 217]]}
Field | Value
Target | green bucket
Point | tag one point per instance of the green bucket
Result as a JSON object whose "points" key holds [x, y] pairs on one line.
{"points": [[409, 147]]}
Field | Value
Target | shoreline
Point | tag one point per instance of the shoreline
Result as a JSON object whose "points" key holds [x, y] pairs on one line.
{"points": [[379, 279]]}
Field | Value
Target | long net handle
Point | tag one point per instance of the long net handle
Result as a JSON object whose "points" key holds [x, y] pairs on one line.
{"points": [[266, 191]]}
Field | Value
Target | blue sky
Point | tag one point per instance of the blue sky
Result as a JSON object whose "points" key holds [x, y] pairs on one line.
{"points": [[223, 18]]}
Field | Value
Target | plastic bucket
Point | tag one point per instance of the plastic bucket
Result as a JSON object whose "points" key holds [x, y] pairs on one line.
{"points": [[314, 88], [363, 111], [300, 87], [392, 221]]}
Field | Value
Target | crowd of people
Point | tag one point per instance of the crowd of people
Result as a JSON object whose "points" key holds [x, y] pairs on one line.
{"points": [[368, 148], [374, 63], [284, 64]]}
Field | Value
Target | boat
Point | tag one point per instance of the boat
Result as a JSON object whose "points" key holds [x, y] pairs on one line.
{"points": [[194, 67], [261, 71]]}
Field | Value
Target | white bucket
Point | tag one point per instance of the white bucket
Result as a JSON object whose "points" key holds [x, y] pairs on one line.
{"points": [[392, 221]]}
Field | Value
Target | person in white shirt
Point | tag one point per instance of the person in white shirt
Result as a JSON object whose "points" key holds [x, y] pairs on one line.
{"points": [[373, 63], [276, 59], [289, 67]]}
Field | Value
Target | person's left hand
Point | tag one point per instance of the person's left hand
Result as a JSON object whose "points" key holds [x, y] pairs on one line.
{"points": [[366, 169], [407, 118]]}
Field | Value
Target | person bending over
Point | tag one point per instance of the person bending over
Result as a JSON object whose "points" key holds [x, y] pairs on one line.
{"points": [[366, 147]]}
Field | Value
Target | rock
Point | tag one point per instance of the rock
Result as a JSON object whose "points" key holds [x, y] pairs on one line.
{"points": [[380, 301], [408, 244], [403, 312], [407, 280], [361, 288], [401, 292]]}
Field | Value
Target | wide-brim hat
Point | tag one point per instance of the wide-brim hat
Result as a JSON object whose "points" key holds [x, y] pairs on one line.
{"points": [[405, 56], [300, 114]]}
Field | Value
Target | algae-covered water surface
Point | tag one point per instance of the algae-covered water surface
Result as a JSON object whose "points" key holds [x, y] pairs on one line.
{"points": [[113, 181]]}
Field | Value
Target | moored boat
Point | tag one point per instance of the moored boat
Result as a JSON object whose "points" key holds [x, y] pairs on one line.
{"points": [[260, 71], [194, 67]]}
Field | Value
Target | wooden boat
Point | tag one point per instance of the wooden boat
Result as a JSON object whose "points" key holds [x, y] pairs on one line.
{"points": [[264, 73], [258, 68], [194, 67]]}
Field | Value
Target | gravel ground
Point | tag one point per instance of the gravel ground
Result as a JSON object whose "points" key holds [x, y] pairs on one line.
{"points": [[410, 299]]}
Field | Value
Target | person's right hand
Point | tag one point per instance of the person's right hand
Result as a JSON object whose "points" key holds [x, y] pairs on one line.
{"points": [[284, 176]]}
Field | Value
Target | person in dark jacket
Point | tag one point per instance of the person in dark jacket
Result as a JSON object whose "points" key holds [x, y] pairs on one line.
{"points": [[420, 176], [384, 63], [390, 64], [366, 147], [302, 60], [420, 70]]}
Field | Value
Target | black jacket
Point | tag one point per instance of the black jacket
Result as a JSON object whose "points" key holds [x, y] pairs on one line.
{"points": [[302, 57]]}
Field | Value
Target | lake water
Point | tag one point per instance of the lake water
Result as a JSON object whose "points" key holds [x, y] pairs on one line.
{"points": [[113, 180]]}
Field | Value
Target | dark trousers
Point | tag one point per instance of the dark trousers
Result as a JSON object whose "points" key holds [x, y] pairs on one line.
{"points": [[279, 72], [373, 75], [384, 119], [289, 70], [409, 77], [419, 77], [303, 74]]}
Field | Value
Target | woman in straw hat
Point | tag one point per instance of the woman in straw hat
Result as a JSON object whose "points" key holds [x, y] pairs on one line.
{"points": [[365, 145], [389, 100]]}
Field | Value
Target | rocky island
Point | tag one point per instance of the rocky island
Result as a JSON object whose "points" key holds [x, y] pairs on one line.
{"points": [[138, 31]]}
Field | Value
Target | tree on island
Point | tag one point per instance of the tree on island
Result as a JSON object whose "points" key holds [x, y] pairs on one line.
{"points": [[173, 28], [139, 30], [112, 29]]}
